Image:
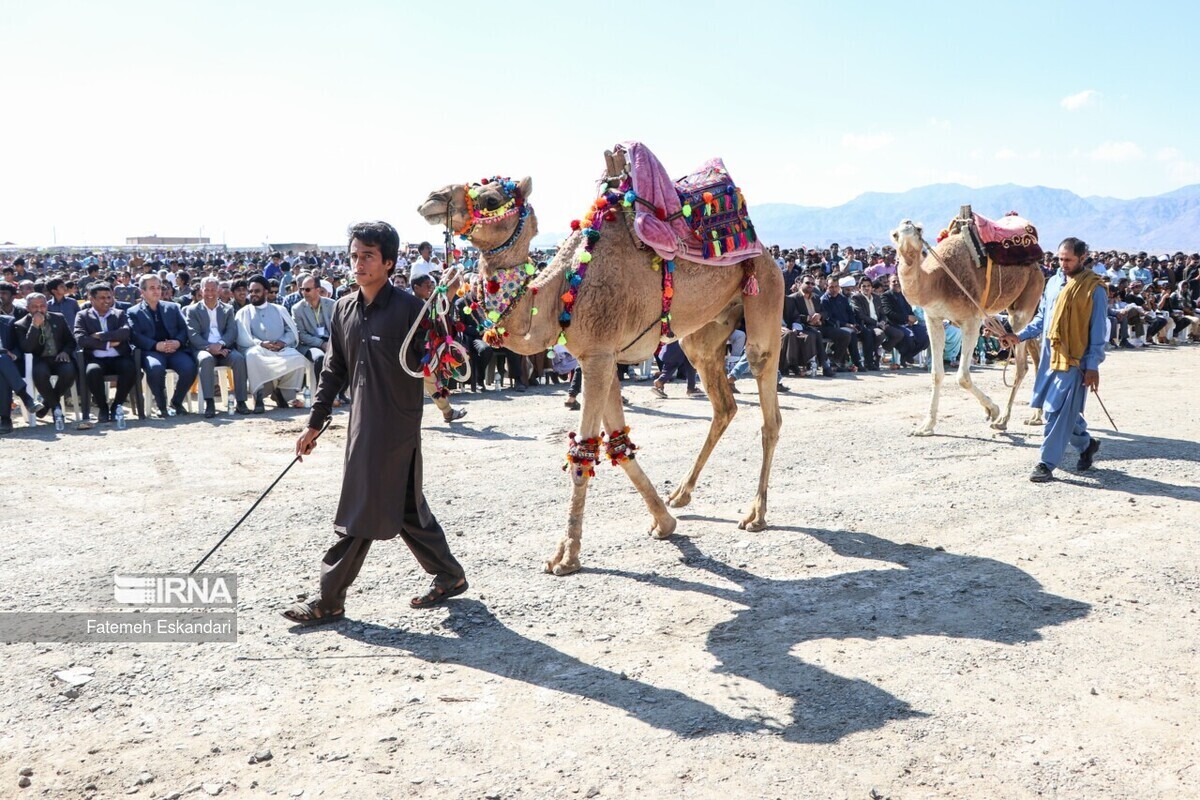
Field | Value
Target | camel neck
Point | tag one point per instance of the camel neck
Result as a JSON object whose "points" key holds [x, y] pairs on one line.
{"points": [[513, 256], [542, 328]]}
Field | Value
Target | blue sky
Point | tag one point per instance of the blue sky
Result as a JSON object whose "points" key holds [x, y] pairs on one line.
{"points": [[287, 121]]}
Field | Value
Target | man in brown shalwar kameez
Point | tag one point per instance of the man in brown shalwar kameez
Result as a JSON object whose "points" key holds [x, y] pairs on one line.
{"points": [[383, 443]]}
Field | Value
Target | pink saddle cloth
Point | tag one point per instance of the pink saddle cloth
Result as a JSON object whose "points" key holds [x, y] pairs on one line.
{"points": [[717, 231], [1010, 240]]}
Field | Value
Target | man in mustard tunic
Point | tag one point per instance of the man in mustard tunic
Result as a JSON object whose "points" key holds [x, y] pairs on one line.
{"points": [[1076, 337]]}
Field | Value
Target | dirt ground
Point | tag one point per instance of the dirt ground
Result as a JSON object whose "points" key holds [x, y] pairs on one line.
{"points": [[918, 621]]}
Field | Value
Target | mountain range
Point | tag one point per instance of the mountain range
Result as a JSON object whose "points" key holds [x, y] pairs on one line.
{"points": [[1165, 223]]}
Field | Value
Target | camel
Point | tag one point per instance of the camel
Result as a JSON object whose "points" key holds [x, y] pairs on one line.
{"points": [[925, 283], [616, 320]]}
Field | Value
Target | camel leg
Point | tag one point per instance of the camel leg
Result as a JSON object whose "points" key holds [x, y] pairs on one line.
{"points": [[1019, 355], [1034, 348], [598, 375], [762, 350], [937, 369], [970, 336], [614, 418], [706, 350]]}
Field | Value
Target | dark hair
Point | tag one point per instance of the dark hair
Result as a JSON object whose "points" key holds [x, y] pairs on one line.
{"points": [[18, 262], [377, 234], [181, 275], [423, 245], [5, 286], [238, 284], [53, 284], [421, 279], [266, 284], [1077, 246], [97, 287]]}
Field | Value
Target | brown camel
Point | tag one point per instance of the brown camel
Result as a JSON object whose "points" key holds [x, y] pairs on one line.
{"points": [[616, 321], [925, 283]]}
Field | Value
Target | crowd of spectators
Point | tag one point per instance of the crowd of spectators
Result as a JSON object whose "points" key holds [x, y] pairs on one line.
{"points": [[85, 319]]}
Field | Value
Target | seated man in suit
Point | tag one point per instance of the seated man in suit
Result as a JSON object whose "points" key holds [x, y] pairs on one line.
{"points": [[842, 327], [805, 311], [313, 316], [803, 348], [868, 308], [11, 381], [899, 313], [102, 332], [212, 333], [161, 337], [44, 335]]}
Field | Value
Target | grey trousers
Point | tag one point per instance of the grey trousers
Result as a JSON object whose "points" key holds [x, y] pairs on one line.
{"points": [[208, 364]]}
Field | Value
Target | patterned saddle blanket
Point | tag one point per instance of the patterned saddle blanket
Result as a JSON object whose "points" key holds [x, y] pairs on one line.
{"points": [[1010, 240], [701, 217]]}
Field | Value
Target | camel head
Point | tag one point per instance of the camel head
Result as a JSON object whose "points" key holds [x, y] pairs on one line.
{"points": [[907, 237], [487, 213]]}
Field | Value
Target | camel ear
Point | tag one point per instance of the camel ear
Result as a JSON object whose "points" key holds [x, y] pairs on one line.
{"points": [[526, 186]]}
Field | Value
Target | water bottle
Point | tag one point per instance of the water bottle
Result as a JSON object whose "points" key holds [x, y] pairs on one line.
{"points": [[229, 402], [59, 423], [307, 396], [120, 415]]}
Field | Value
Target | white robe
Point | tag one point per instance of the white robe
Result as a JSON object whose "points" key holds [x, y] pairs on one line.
{"points": [[263, 366]]}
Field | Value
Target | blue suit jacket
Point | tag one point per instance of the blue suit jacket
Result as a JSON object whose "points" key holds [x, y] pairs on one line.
{"points": [[141, 324]]}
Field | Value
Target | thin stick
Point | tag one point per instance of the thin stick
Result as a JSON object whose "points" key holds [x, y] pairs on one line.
{"points": [[256, 502], [1110, 419]]}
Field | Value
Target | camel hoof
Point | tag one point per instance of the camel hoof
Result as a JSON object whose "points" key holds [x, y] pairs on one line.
{"points": [[679, 498], [922, 432], [752, 524], [663, 529], [1000, 425], [562, 568], [993, 413]]}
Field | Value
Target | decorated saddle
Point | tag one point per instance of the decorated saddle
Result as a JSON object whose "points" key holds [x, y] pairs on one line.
{"points": [[702, 217], [1009, 241]]}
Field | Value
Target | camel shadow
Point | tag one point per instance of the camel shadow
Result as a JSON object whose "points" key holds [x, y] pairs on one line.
{"points": [[488, 432], [926, 593], [655, 412], [482, 642]]}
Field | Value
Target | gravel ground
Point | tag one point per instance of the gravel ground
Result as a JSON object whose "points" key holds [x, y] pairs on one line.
{"points": [[918, 621]]}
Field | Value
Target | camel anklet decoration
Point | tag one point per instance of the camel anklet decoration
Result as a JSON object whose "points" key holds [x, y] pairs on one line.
{"points": [[583, 454]]}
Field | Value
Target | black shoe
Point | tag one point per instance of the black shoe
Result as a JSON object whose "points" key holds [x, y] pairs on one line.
{"points": [[37, 408], [103, 415], [1088, 455], [40, 410], [5, 425], [210, 409], [828, 370], [520, 387], [277, 399], [1041, 473], [241, 408], [782, 389], [258, 408], [873, 367], [181, 410]]}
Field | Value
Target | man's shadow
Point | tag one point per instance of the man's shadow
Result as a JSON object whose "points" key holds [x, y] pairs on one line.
{"points": [[931, 593]]}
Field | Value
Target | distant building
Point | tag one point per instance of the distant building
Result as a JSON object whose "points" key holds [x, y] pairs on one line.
{"points": [[167, 240], [284, 247]]}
